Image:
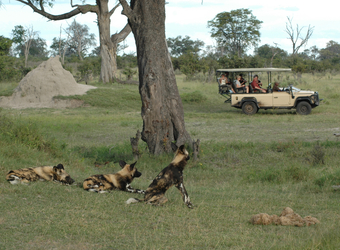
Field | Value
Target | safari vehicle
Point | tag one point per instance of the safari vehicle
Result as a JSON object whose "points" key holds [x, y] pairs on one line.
{"points": [[287, 98]]}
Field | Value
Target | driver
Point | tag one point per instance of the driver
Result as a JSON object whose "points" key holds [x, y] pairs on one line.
{"points": [[276, 87]]}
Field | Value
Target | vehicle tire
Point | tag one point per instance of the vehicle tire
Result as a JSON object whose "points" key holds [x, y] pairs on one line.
{"points": [[303, 108], [249, 108]]}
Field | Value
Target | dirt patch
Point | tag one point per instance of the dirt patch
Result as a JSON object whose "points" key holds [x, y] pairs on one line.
{"points": [[287, 218], [38, 87]]}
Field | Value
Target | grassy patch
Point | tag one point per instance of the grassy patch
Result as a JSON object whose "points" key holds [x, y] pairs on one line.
{"points": [[193, 97], [246, 165]]}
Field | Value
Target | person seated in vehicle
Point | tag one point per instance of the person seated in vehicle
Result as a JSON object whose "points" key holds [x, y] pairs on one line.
{"points": [[224, 80], [242, 80], [256, 83], [276, 87], [240, 85]]}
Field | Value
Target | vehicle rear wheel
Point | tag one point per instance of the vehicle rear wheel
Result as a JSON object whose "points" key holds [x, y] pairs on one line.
{"points": [[303, 108], [249, 108]]}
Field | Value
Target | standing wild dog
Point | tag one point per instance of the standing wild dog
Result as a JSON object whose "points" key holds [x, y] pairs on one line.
{"points": [[121, 180], [169, 176], [48, 173]]}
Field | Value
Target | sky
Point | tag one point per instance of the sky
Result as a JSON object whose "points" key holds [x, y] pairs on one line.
{"points": [[190, 18]]}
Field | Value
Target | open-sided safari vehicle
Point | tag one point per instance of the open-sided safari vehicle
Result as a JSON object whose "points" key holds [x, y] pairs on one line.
{"points": [[280, 98]]}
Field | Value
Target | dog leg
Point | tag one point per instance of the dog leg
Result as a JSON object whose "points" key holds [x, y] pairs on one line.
{"points": [[185, 196], [157, 199], [132, 200], [133, 190]]}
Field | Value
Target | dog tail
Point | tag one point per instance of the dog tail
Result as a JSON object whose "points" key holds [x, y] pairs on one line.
{"points": [[132, 200]]}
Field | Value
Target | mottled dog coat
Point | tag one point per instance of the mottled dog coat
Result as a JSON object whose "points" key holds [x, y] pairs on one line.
{"points": [[48, 173], [121, 180], [170, 176]]}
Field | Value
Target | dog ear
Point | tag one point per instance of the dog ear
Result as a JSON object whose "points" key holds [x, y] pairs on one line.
{"points": [[173, 146], [60, 166], [55, 169], [132, 166], [122, 164], [182, 148]]}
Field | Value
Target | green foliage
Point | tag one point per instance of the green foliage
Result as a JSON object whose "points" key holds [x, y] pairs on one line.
{"points": [[102, 154], [10, 68], [331, 52], [180, 46], [246, 165], [193, 97], [190, 64], [237, 30], [129, 73], [90, 65], [27, 134], [318, 155], [5, 45], [127, 60], [328, 179], [18, 34], [278, 175], [108, 98], [80, 39]]}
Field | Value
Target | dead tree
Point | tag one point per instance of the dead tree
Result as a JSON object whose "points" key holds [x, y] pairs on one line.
{"points": [[295, 35], [29, 36]]}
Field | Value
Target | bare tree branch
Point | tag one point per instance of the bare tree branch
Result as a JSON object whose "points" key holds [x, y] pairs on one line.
{"points": [[79, 9], [295, 37], [114, 9], [119, 37], [127, 11]]}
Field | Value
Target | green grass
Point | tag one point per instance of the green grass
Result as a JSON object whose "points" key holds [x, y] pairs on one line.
{"points": [[247, 165]]}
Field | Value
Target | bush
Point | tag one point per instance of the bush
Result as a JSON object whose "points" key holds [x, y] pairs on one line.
{"points": [[193, 97], [9, 69], [90, 65]]}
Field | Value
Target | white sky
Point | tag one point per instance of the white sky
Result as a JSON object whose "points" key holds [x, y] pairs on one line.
{"points": [[184, 17]]}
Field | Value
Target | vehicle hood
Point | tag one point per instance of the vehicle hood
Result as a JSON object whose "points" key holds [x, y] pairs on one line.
{"points": [[304, 92]]}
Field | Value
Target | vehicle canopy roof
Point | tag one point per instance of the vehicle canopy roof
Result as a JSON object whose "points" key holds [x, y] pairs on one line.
{"points": [[254, 70]]}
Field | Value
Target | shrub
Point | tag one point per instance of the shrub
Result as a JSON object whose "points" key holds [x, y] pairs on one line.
{"points": [[318, 155], [193, 97], [9, 69]]}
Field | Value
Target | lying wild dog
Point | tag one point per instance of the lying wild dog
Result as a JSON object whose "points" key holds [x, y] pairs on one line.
{"points": [[169, 176], [48, 173], [120, 180]]}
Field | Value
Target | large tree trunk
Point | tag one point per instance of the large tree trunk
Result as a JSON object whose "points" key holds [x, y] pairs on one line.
{"points": [[107, 50], [162, 109], [107, 53]]}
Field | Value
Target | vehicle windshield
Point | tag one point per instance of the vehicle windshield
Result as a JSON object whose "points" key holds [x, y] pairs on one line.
{"points": [[295, 89]]}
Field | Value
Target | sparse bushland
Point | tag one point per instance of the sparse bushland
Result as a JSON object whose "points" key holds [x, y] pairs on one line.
{"points": [[247, 165]]}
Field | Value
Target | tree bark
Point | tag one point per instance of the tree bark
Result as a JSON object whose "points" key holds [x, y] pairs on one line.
{"points": [[162, 109], [134, 144]]}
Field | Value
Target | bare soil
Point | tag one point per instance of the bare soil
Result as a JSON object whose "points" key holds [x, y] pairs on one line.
{"points": [[39, 87]]}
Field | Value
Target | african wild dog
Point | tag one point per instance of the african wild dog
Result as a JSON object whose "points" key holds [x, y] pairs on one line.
{"points": [[169, 176], [48, 173], [121, 180]]}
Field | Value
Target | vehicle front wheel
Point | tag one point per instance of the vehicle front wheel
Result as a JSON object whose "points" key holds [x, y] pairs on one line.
{"points": [[249, 108], [303, 108]]}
